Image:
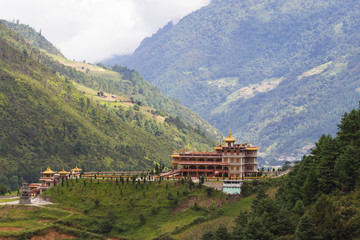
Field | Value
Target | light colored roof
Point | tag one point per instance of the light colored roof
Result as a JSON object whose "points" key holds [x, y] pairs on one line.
{"points": [[48, 171]]}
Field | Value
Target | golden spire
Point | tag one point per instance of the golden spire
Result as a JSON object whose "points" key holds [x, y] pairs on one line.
{"points": [[48, 171], [76, 169], [63, 172], [230, 138]]}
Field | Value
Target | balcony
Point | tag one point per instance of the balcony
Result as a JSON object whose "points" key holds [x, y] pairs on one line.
{"points": [[204, 170], [202, 163]]}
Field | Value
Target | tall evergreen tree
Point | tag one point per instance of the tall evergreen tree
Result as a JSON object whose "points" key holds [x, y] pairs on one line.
{"points": [[306, 229]]}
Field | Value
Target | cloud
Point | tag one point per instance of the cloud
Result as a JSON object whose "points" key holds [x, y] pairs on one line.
{"points": [[93, 30]]}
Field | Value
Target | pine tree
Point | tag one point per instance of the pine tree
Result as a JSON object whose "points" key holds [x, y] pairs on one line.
{"points": [[306, 229], [347, 168], [310, 188], [221, 233]]}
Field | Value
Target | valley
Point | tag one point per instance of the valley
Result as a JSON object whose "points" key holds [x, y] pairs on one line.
{"points": [[237, 120], [281, 73]]}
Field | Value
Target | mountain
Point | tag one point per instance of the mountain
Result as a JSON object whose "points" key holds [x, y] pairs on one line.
{"points": [[33, 37], [278, 73], [47, 119], [117, 80]]}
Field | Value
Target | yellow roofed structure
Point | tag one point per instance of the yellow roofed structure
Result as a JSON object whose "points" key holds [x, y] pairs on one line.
{"points": [[230, 138], [48, 171], [76, 169], [63, 172]]}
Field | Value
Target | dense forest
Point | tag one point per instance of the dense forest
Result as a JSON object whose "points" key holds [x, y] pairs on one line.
{"points": [[46, 121], [278, 73], [318, 199]]}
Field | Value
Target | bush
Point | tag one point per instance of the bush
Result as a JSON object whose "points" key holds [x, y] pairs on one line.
{"points": [[142, 219]]}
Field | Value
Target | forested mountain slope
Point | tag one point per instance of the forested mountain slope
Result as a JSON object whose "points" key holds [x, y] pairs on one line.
{"points": [[116, 80], [46, 121], [33, 37], [318, 199], [276, 72]]}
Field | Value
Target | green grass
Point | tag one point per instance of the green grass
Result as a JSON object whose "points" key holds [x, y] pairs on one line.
{"points": [[23, 221], [229, 212], [233, 209], [123, 203], [134, 211], [8, 200], [197, 231]]}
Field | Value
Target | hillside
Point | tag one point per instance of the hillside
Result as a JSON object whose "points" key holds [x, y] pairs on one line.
{"points": [[33, 37], [278, 73], [106, 208], [318, 199], [117, 80], [45, 120]]}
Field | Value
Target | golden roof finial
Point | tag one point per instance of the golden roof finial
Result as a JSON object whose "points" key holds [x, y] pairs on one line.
{"points": [[230, 138], [48, 171]]}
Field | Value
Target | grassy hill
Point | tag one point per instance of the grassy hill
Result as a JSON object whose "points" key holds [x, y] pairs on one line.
{"points": [[46, 120], [318, 199], [100, 208], [116, 80], [33, 37], [278, 73]]}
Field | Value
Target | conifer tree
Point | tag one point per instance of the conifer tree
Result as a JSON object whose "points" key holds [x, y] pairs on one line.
{"points": [[306, 229], [347, 168], [310, 187]]}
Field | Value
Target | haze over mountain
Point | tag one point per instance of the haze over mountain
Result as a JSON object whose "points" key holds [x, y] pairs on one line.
{"points": [[276, 72]]}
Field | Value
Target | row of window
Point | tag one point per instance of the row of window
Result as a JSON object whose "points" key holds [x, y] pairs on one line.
{"points": [[239, 160]]}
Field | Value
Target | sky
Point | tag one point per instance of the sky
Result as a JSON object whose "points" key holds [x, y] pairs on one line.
{"points": [[94, 30]]}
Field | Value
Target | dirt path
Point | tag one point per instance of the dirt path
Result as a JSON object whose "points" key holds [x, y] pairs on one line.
{"points": [[34, 202]]}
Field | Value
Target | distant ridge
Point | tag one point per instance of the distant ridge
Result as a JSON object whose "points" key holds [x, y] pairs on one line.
{"points": [[277, 72]]}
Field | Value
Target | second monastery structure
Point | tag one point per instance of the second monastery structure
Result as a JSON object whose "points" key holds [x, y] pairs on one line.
{"points": [[228, 160]]}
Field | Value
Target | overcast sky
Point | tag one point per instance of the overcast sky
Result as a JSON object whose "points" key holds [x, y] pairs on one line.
{"points": [[93, 30]]}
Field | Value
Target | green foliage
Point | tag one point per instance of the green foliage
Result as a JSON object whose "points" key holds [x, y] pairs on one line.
{"points": [[33, 37], [45, 121], [130, 215], [3, 189], [317, 199], [306, 229]]}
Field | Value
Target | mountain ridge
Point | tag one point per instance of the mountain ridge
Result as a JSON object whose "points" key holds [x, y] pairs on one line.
{"points": [[228, 56]]}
